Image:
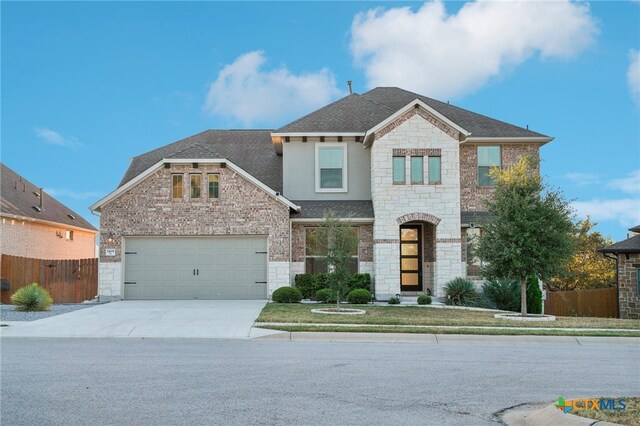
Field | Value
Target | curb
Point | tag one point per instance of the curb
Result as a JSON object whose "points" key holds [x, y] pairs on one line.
{"points": [[547, 415], [321, 336]]}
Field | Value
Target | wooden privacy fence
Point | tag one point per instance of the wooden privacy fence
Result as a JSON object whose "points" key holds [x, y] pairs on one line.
{"points": [[601, 303], [67, 281]]}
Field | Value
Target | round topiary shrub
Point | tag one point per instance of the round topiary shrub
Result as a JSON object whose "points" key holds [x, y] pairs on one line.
{"points": [[326, 295], [424, 299], [394, 301], [359, 296], [32, 298], [287, 295]]}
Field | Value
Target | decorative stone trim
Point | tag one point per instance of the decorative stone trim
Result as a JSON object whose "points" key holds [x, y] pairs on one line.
{"points": [[424, 152], [386, 241], [422, 217], [449, 240], [422, 113]]}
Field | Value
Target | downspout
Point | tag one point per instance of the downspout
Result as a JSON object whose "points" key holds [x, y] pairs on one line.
{"points": [[617, 281]]}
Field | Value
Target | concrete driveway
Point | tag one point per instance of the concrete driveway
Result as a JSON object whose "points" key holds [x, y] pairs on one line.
{"points": [[222, 319]]}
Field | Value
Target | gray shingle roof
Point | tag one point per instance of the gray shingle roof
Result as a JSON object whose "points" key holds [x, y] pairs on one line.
{"points": [[316, 209], [17, 198], [630, 245], [359, 113], [251, 150]]}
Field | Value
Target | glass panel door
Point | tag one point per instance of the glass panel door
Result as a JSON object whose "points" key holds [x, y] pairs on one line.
{"points": [[410, 258]]}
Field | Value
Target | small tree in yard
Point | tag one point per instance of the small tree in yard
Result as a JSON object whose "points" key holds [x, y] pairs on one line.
{"points": [[528, 231], [340, 239]]}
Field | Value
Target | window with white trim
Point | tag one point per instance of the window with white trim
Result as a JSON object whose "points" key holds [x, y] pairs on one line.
{"points": [[488, 156], [331, 167]]}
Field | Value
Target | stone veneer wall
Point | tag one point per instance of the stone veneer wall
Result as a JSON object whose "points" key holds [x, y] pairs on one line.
{"points": [[437, 204], [36, 240], [365, 249], [470, 192], [149, 210], [628, 297]]}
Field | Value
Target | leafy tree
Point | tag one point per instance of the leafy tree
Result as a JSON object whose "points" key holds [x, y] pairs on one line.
{"points": [[528, 231], [587, 269], [338, 241]]}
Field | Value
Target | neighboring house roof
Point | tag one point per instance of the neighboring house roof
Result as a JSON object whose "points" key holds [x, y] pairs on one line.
{"points": [[251, 150], [635, 229], [630, 245], [18, 198], [344, 209], [360, 113]]}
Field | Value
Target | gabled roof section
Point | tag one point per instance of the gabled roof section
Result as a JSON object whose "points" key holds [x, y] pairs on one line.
{"points": [[351, 114], [360, 113], [18, 198], [630, 245], [251, 150]]}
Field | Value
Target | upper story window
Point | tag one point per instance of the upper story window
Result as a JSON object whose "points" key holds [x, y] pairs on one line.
{"points": [[399, 173], [331, 167], [435, 172], [69, 235], [176, 186], [214, 185], [488, 156], [195, 188], [417, 170]]}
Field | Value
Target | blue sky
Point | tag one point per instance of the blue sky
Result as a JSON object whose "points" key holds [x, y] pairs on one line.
{"points": [[87, 86]]}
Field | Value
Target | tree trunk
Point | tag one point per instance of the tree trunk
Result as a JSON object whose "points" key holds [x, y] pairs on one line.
{"points": [[523, 297], [337, 300]]}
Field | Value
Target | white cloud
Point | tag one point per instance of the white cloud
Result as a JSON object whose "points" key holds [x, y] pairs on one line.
{"points": [[625, 211], [442, 55], [630, 184], [52, 137], [633, 74], [247, 93], [582, 179], [70, 193]]}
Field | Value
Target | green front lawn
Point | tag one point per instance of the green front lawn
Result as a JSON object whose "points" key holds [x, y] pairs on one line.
{"points": [[415, 315], [630, 416]]}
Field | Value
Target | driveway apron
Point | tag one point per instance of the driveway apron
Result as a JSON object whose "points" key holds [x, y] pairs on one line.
{"points": [[223, 319]]}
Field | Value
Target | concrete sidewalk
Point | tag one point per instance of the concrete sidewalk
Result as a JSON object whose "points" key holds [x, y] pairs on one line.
{"points": [[213, 319]]}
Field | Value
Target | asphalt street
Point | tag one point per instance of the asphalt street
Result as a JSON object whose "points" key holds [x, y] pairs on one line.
{"points": [[249, 382]]}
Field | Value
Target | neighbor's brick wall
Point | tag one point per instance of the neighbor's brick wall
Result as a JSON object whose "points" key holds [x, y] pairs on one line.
{"points": [[39, 241], [149, 210], [471, 194], [365, 249], [628, 286]]}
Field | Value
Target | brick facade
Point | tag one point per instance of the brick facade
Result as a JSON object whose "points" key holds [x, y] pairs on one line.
{"points": [[471, 194], [628, 292], [37, 240], [148, 209]]}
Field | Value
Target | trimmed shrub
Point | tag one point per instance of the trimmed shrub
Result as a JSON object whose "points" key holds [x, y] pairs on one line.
{"points": [[31, 298], [359, 296], [287, 295], [461, 292], [534, 296], [307, 284], [394, 301], [326, 295], [360, 281], [503, 294], [424, 299]]}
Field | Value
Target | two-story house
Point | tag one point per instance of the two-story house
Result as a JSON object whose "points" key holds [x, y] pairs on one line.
{"points": [[231, 214]]}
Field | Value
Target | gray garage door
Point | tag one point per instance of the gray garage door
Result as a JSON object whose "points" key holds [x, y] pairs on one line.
{"points": [[195, 268]]}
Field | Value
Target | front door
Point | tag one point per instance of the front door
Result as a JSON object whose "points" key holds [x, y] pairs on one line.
{"points": [[410, 258]]}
